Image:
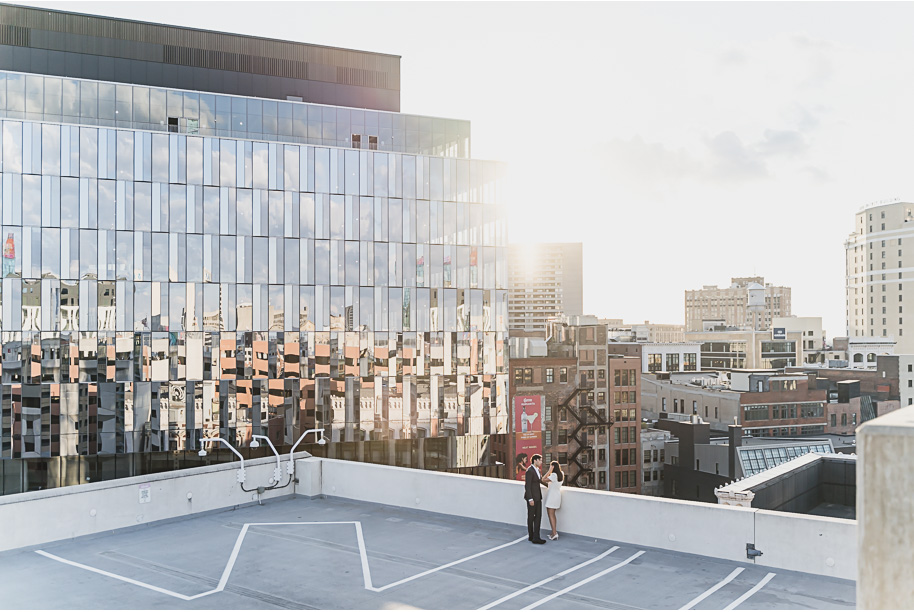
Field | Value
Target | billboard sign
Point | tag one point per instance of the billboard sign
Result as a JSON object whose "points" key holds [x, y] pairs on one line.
{"points": [[528, 428], [779, 333]]}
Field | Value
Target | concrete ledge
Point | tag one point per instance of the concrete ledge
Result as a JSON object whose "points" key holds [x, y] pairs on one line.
{"points": [[817, 545], [789, 541], [681, 526], [38, 517], [456, 494], [147, 525], [800, 542]]}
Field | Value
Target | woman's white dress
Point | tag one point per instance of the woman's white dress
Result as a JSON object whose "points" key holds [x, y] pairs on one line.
{"points": [[554, 492]]}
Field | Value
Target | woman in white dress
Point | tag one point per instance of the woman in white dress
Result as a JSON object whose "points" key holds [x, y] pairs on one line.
{"points": [[553, 479]]}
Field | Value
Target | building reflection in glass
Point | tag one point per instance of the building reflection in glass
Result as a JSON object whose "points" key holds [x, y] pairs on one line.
{"points": [[158, 288]]}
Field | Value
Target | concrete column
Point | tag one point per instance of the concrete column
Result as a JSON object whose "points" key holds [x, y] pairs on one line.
{"points": [[885, 507]]}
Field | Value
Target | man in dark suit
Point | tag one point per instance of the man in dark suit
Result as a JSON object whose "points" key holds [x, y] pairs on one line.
{"points": [[534, 498]]}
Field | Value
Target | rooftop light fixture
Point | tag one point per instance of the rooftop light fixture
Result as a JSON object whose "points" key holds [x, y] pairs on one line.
{"points": [[277, 471], [202, 453], [320, 441]]}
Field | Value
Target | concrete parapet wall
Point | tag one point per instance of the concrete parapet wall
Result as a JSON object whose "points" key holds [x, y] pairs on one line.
{"points": [[804, 543], [469, 496], [681, 526], [38, 517], [818, 545], [885, 511]]}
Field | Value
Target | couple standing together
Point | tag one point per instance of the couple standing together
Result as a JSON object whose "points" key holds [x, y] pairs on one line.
{"points": [[533, 495]]}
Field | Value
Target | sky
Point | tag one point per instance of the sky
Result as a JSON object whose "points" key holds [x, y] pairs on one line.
{"points": [[682, 143]]}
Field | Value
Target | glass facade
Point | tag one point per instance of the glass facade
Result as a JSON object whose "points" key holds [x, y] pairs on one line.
{"points": [[160, 287], [35, 97]]}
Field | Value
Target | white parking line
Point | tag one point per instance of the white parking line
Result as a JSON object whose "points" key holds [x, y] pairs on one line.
{"points": [[713, 589], [445, 566], [230, 564], [232, 558], [366, 571], [585, 581], [110, 575], [542, 582], [751, 591]]}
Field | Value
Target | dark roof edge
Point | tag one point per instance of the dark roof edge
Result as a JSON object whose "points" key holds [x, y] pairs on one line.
{"points": [[177, 27]]}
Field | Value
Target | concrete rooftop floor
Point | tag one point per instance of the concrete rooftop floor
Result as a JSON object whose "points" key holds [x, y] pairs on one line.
{"points": [[338, 554]]}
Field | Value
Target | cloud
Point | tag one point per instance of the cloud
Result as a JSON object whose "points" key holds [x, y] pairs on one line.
{"points": [[651, 162], [816, 174], [732, 160], [789, 143], [820, 72], [804, 41], [818, 67], [805, 119], [733, 56], [725, 157]]}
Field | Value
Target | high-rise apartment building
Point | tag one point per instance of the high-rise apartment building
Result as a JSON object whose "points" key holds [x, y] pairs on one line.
{"points": [[545, 282], [734, 305], [209, 234], [880, 285]]}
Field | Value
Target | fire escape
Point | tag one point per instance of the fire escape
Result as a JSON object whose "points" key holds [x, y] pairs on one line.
{"points": [[585, 416]]}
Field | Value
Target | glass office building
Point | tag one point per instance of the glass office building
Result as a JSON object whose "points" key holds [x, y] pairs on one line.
{"points": [[183, 264]]}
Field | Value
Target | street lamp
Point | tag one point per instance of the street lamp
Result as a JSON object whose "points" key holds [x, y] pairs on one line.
{"points": [[277, 471], [202, 453], [320, 441]]}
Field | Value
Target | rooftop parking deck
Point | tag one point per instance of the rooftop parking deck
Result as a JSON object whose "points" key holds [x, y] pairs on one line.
{"points": [[331, 553], [341, 535]]}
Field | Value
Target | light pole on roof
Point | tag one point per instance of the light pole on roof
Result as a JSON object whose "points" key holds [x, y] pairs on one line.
{"points": [[277, 471], [202, 453], [320, 441]]}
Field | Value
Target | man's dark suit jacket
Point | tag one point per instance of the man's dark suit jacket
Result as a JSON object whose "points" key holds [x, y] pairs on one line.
{"points": [[532, 488]]}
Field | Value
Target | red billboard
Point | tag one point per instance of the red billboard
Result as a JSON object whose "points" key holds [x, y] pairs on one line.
{"points": [[528, 431]]}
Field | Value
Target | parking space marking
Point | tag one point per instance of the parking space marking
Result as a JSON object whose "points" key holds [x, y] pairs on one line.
{"points": [[445, 566], [542, 582], [366, 571], [713, 589], [585, 581], [231, 562], [233, 557], [123, 578], [751, 591]]}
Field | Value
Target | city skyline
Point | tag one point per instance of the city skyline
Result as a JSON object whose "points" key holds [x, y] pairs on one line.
{"points": [[225, 245], [607, 111]]}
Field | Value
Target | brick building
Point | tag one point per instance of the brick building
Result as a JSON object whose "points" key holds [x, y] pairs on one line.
{"points": [[881, 383], [554, 378], [592, 409], [625, 389], [774, 404]]}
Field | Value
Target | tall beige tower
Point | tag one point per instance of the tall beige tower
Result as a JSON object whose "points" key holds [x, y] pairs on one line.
{"points": [[748, 302], [879, 258], [545, 281]]}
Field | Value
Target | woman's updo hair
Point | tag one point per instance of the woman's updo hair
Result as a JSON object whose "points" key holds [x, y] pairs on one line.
{"points": [[557, 469]]}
